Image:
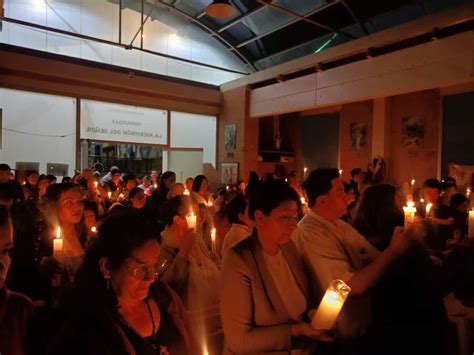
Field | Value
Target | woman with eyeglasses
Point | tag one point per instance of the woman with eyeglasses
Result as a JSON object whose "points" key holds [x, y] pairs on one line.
{"points": [[265, 295], [118, 305], [192, 273]]}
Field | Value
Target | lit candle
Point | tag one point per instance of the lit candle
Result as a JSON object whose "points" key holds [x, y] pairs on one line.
{"points": [[155, 186], [303, 201], [468, 192], [109, 195], [412, 182], [422, 200], [304, 172], [409, 211], [227, 187], [58, 245], [470, 230], [213, 240], [340, 171], [191, 220], [96, 184], [186, 192], [121, 196], [331, 305], [428, 209], [94, 229], [209, 204]]}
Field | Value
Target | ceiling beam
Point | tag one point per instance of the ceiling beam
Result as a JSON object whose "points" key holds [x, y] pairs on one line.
{"points": [[305, 18], [240, 18], [353, 15], [294, 20], [230, 46]]}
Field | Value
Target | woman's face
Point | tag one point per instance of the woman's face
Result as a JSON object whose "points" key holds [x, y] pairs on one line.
{"points": [[280, 223], [204, 186], [70, 207], [170, 180], [139, 200], [133, 278]]}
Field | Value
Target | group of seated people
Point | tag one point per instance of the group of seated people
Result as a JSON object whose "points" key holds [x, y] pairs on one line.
{"points": [[114, 265]]}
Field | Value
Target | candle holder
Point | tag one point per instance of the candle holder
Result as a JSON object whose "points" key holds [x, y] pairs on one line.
{"points": [[331, 305]]}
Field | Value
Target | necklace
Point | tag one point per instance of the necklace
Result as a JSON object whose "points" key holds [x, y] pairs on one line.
{"points": [[151, 343]]}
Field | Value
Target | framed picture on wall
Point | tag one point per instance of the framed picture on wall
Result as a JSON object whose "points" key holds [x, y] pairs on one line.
{"points": [[358, 135], [229, 173], [230, 136], [413, 131]]}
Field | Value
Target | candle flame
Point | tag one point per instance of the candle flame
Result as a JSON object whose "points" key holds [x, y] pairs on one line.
{"points": [[227, 187], [58, 233], [410, 204], [413, 182], [155, 186], [186, 192], [422, 200], [303, 200], [340, 171], [96, 184], [93, 229], [109, 195]]}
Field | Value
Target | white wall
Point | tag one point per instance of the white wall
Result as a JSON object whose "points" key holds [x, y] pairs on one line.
{"points": [[37, 128], [194, 131], [184, 163], [164, 32]]}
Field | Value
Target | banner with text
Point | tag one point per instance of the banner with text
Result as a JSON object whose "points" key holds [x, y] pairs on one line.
{"points": [[105, 121]]}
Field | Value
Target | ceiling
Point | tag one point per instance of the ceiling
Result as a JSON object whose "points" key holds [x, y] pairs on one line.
{"points": [[264, 33]]}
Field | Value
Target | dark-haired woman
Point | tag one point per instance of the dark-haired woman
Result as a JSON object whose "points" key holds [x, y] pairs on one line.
{"points": [[192, 272], [408, 310], [265, 293], [241, 225], [118, 306], [200, 192]]}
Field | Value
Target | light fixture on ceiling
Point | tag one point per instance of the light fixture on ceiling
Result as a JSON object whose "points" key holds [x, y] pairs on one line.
{"points": [[220, 9]]}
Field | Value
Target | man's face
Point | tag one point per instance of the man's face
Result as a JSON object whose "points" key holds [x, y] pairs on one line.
{"points": [[33, 179], [431, 194], [336, 199], [6, 246], [4, 176]]}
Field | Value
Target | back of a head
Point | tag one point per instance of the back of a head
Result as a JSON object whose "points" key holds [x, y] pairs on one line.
{"points": [[134, 191], [433, 184], [319, 183], [377, 213], [268, 195], [457, 199], [236, 207], [355, 171], [5, 167], [197, 182], [175, 207]]}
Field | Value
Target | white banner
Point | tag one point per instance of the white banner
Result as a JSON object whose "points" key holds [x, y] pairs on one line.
{"points": [[103, 121]]}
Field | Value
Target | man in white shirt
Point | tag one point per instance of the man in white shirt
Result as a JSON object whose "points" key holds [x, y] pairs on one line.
{"points": [[332, 249]]}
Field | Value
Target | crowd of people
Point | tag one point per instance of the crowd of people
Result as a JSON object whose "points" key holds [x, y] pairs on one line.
{"points": [[118, 264]]}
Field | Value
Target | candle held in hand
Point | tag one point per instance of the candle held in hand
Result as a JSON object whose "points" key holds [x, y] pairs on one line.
{"points": [[213, 240], [58, 245], [409, 210], [331, 305], [191, 220]]}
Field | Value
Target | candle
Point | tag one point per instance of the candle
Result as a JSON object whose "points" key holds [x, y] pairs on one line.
{"points": [[155, 186], [409, 211], [468, 192], [331, 305], [428, 209], [209, 204], [470, 230], [303, 201], [109, 195], [58, 245], [227, 188], [191, 220], [412, 182], [340, 171], [121, 196], [186, 192], [94, 229], [422, 200], [213, 240], [304, 172], [96, 184]]}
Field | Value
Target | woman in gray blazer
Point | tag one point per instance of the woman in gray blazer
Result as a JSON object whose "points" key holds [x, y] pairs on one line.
{"points": [[265, 294]]}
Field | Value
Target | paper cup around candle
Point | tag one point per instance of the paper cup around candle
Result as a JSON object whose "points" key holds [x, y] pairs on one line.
{"points": [[191, 220], [409, 210], [326, 315]]}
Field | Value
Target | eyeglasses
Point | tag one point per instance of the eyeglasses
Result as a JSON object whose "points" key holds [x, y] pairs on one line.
{"points": [[145, 272]]}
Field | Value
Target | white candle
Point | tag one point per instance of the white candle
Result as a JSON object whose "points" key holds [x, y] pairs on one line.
{"points": [[428, 209], [331, 305], [303, 201], [213, 240], [109, 195], [191, 220], [96, 184], [186, 192], [409, 211], [58, 245], [470, 230], [413, 182], [304, 172]]}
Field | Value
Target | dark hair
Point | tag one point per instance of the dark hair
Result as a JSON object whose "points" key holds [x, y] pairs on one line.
{"points": [[129, 177], [197, 182], [235, 207], [51, 178], [91, 206], [175, 207], [378, 214], [269, 195], [448, 183], [5, 167], [42, 177], [166, 175], [432, 183], [117, 238], [355, 171], [319, 183], [4, 216], [31, 172], [66, 179], [50, 203], [457, 199], [134, 191]]}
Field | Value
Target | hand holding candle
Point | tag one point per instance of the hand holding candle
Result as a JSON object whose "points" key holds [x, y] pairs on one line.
{"points": [[331, 305]]}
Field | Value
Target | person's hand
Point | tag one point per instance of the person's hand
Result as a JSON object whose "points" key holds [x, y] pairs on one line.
{"points": [[305, 329], [186, 242], [49, 266], [402, 240]]}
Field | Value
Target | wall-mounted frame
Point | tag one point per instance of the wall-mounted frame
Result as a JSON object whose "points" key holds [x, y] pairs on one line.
{"points": [[230, 136], [229, 173]]}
